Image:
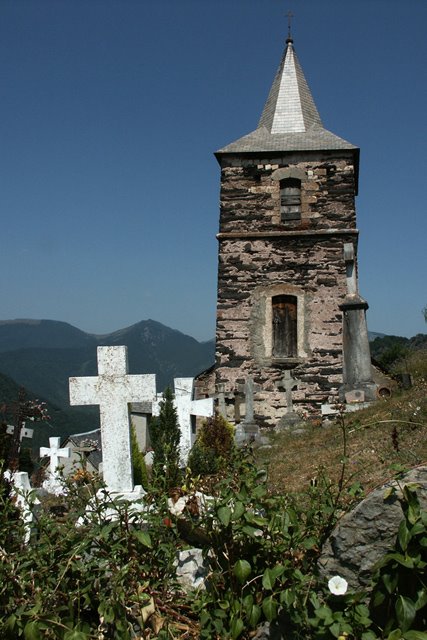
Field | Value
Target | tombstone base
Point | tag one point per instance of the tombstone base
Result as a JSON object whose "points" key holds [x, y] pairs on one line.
{"points": [[54, 485], [239, 435], [137, 493], [331, 411], [358, 394], [247, 432], [102, 509], [289, 421]]}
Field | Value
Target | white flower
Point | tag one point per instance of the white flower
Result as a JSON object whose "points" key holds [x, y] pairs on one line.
{"points": [[176, 508], [338, 586]]}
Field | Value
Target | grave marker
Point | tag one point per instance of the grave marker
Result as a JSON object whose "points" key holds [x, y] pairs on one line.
{"points": [[222, 400], [350, 269], [248, 428], [288, 383], [54, 452], [113, 390]]}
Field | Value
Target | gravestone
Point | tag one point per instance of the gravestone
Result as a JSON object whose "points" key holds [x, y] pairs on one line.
{"points": [[113, 390], [53, 483], [54, 452], [186, 407], [222, 397], [191, 569], [248, 428], [291, 418]]}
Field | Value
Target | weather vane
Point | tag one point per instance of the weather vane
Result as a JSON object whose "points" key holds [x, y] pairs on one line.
{"points": [[289, 15]]}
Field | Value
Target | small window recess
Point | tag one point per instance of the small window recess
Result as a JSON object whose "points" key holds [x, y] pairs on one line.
{"points": [[290, 199], [285, 328]]}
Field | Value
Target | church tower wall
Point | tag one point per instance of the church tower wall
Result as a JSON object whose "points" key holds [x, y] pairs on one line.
{"points": [[287, 266], [264, 258]]}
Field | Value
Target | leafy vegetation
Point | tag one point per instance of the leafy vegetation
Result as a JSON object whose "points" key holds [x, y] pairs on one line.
{"points": [[212, 449], [261, 530], [116, 579]]}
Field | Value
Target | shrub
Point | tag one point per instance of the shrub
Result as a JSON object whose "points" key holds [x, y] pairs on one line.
{"points": [[95, 581], [213, 447]]}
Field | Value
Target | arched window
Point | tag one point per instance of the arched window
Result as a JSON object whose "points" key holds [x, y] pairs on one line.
{"points": [[285, 335], [290, 199]]}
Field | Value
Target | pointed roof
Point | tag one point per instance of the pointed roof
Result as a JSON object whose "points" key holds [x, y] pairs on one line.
{"points": [[290, 120]]}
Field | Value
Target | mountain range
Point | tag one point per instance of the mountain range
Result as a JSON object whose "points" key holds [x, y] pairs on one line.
{"points": [[41, 355]]}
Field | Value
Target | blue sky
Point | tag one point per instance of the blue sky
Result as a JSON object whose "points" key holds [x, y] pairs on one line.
{"points": [[111, 111]]}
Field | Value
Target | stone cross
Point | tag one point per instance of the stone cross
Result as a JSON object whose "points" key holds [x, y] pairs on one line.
{"points": [[249, 400], [288, 384], [113, 390], [186, 407], [249, 389], [222, 397], [248, 429], [54, 452], [350, 269]]}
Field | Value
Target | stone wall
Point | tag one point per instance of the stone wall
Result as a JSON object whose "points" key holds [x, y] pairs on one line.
{"points": [[261, 257], [250, 195]]}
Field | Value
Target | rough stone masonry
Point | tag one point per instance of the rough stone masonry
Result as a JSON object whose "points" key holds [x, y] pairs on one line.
{"points": [[267, 258], [287, 209]]}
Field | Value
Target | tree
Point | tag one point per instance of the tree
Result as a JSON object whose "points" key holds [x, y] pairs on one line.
{"points": [[165, 437], [424, 312]]}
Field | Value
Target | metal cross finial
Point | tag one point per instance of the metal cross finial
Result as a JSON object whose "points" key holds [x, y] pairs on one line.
{"points": [[289, 15]]}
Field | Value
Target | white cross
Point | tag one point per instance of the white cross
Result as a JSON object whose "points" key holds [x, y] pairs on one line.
{"points": [[113, 390], [185, 408], [54, 452], [25, 432]]}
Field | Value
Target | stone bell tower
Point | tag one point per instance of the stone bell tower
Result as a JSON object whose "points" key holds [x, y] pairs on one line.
{"points": [[288, 262]]}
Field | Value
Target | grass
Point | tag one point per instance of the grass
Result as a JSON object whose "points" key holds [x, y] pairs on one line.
{"points": [[373, 443]]}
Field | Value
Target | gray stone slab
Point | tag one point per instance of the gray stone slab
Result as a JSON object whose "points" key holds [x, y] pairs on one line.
{"points": [[365, 534]]}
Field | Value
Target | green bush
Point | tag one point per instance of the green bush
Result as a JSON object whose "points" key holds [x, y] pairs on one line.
{"points": [[93, 581], [214, 445], [116, 579]]}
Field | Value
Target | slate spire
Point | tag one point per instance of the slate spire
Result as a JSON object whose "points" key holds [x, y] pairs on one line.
{"points": [[290, 120], [290, 107]]}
